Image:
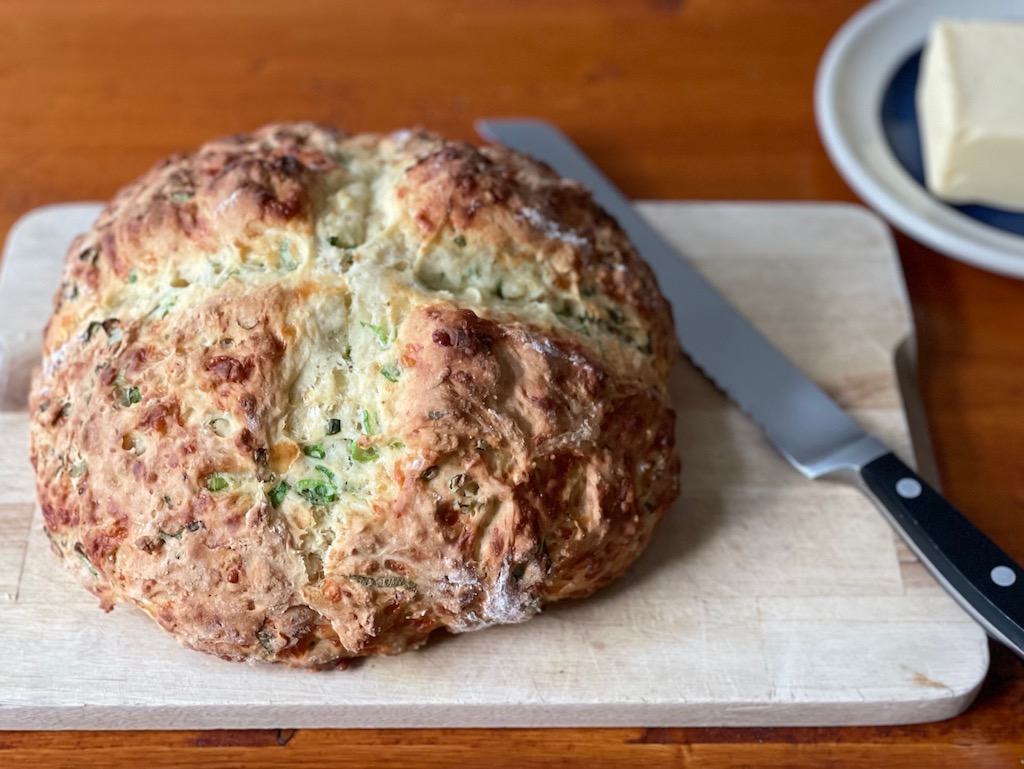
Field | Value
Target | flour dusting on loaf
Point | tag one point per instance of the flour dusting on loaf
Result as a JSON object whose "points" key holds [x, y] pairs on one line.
{"points": [[307, 396]]}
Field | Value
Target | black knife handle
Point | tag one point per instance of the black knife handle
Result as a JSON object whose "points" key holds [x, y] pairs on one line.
{"points": [[984, 579]]}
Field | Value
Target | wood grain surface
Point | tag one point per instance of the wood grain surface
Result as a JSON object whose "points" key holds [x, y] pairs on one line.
{"points": [[699, 99]]}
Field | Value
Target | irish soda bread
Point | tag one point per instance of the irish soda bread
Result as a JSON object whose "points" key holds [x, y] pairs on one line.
{"points": [[307, 396]]}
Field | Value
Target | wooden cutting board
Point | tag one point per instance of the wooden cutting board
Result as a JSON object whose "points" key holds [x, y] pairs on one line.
{"points": [[765, 598]]}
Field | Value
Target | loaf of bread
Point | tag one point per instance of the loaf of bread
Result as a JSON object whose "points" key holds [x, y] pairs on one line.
{"points": [[306, 397]]}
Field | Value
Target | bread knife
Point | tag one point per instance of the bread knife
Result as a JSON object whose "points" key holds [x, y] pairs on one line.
{"points": [[803, 423]]}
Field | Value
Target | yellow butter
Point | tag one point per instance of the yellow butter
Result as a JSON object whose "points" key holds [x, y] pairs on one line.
{"points": [[970, 104]]}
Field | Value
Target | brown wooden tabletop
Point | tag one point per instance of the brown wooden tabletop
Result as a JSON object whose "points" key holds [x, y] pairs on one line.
{"points": [[690, 99]]}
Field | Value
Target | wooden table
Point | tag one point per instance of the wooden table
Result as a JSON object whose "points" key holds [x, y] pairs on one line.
{"points": [[703, 99]]}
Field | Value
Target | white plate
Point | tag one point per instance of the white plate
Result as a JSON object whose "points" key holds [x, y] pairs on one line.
{"points": [[854, 74]]}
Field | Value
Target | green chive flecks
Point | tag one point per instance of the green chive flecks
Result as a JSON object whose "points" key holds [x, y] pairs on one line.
{"points": [[326, 472], [127, 396], [278, 493], [390, 372], [337, 242], [80, 552], [216, 482], [383, 336], [368, 422], [284, 254], [318, 492], [265, 641], [315, 451], [360, 454], [333, 426], [91, 329]]}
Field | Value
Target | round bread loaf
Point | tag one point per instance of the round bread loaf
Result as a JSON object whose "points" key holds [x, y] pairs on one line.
{"points": [[307, 396]]}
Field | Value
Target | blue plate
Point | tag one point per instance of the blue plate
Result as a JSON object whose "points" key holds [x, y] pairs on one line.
{"points": [[900, 126]]}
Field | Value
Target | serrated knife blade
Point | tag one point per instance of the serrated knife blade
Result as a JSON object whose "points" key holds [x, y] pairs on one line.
{"points": [[806, 425]]}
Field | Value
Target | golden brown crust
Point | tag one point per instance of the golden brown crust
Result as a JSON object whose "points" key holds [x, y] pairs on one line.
{"points": [[306, 397]]}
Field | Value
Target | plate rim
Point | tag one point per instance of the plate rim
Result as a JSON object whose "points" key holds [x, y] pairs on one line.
{"points": [[848, 90]]}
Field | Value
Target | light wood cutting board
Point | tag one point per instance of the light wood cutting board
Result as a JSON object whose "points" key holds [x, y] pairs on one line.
{"points": [[765, 598]]}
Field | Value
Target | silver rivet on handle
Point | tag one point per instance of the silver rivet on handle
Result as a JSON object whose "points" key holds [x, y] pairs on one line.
{"points": [[908, 488], [1003, 576]]}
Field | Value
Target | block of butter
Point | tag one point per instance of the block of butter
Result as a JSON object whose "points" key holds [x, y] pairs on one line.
{"points": [[970, 106]]}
